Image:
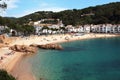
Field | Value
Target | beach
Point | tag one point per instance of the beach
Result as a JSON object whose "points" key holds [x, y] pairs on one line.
{"points": [[48, 39], [9, 58]]}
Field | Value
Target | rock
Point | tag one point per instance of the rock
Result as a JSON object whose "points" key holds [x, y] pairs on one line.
{"points": [[50, 46], [24, 48], [31, 49], [33, 45]]}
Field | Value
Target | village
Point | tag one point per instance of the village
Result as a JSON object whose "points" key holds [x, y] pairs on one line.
{"points": [[60, 28]]}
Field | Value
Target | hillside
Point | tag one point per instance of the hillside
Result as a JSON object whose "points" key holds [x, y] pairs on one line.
{"points": [[107, 13]]}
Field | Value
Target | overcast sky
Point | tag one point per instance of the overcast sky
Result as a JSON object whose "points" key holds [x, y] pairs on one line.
{"points": [[18, 8]]}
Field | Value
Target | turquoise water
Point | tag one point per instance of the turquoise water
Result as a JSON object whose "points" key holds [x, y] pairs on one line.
{"points": [[94, 59]]}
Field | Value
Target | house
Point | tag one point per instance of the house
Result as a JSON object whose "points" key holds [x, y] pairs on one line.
{"points": [[81, 29], [2, 29], [54, 26], [106, 28], [86, 28], [38, 29], [37, 22], [39, 26], [69, 28], [118, 28]]}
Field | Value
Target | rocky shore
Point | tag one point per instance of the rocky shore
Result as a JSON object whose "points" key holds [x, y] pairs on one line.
{"points": [[23, 48], [49, 46], [33, 48]]}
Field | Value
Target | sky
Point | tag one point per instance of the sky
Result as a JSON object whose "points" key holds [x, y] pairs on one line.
{"points": [[19, 8]]}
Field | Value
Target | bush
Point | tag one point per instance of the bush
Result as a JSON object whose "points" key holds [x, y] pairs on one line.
{"points": [[5, 76]]}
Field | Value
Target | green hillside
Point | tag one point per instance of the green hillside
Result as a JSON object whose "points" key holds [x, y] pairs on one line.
{"points": [[107, 13]]}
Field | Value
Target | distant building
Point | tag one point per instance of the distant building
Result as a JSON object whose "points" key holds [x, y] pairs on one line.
{"points": [[2, 29], [86, 28], [38, 25], [73, 29], [38, 30], [89, 14], [106, 28]]}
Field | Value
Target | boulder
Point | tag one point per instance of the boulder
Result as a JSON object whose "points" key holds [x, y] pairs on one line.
{"points": [[33, 45], [23, 48], [50, 46]]}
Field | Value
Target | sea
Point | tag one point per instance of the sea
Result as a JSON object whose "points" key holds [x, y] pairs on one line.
{"points": [[92, 59]]}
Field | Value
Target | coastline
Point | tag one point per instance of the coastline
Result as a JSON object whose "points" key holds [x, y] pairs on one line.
{"points": [[11, 60], [41, 40], [14, 61]]}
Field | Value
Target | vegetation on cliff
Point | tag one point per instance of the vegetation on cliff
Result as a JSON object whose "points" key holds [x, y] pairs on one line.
{"points": [[107, 13], [5, 76]]}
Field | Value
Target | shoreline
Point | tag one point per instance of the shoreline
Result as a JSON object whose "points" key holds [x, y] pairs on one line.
{"points": [[16, 57], [9, 60], [92, 37], [14, 61], [49, 39]]}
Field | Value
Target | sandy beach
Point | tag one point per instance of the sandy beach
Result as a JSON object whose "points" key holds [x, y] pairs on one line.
{"points": [[57, 38], [9, 58]]}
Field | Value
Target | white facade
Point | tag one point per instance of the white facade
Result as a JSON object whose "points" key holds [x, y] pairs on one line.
{"points": [[38, 29], [106, 28], [79, 29], [87, 28], [118, 28], [2, 28], [54, 27], [37, 22]]}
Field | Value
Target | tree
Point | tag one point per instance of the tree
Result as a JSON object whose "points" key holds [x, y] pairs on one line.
{"points": [[28, 30], [5, 76], [3, 4], [7, 30], [45, 27]]}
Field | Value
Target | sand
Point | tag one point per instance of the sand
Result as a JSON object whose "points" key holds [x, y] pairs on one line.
{"points": [[57, 38], [9, 61]]}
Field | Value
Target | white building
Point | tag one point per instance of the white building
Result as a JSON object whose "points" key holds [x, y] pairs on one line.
{"points": [[106, 28], [38, 29], [37, 22], [2, 28], [118, 27], [69, 28], [54, 26], [86, 28], [38, 25], [79, 29]]}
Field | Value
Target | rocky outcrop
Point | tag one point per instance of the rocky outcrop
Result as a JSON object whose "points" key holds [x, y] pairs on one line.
{"points": [[34, 45], [49, 46], [23, 48]]}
